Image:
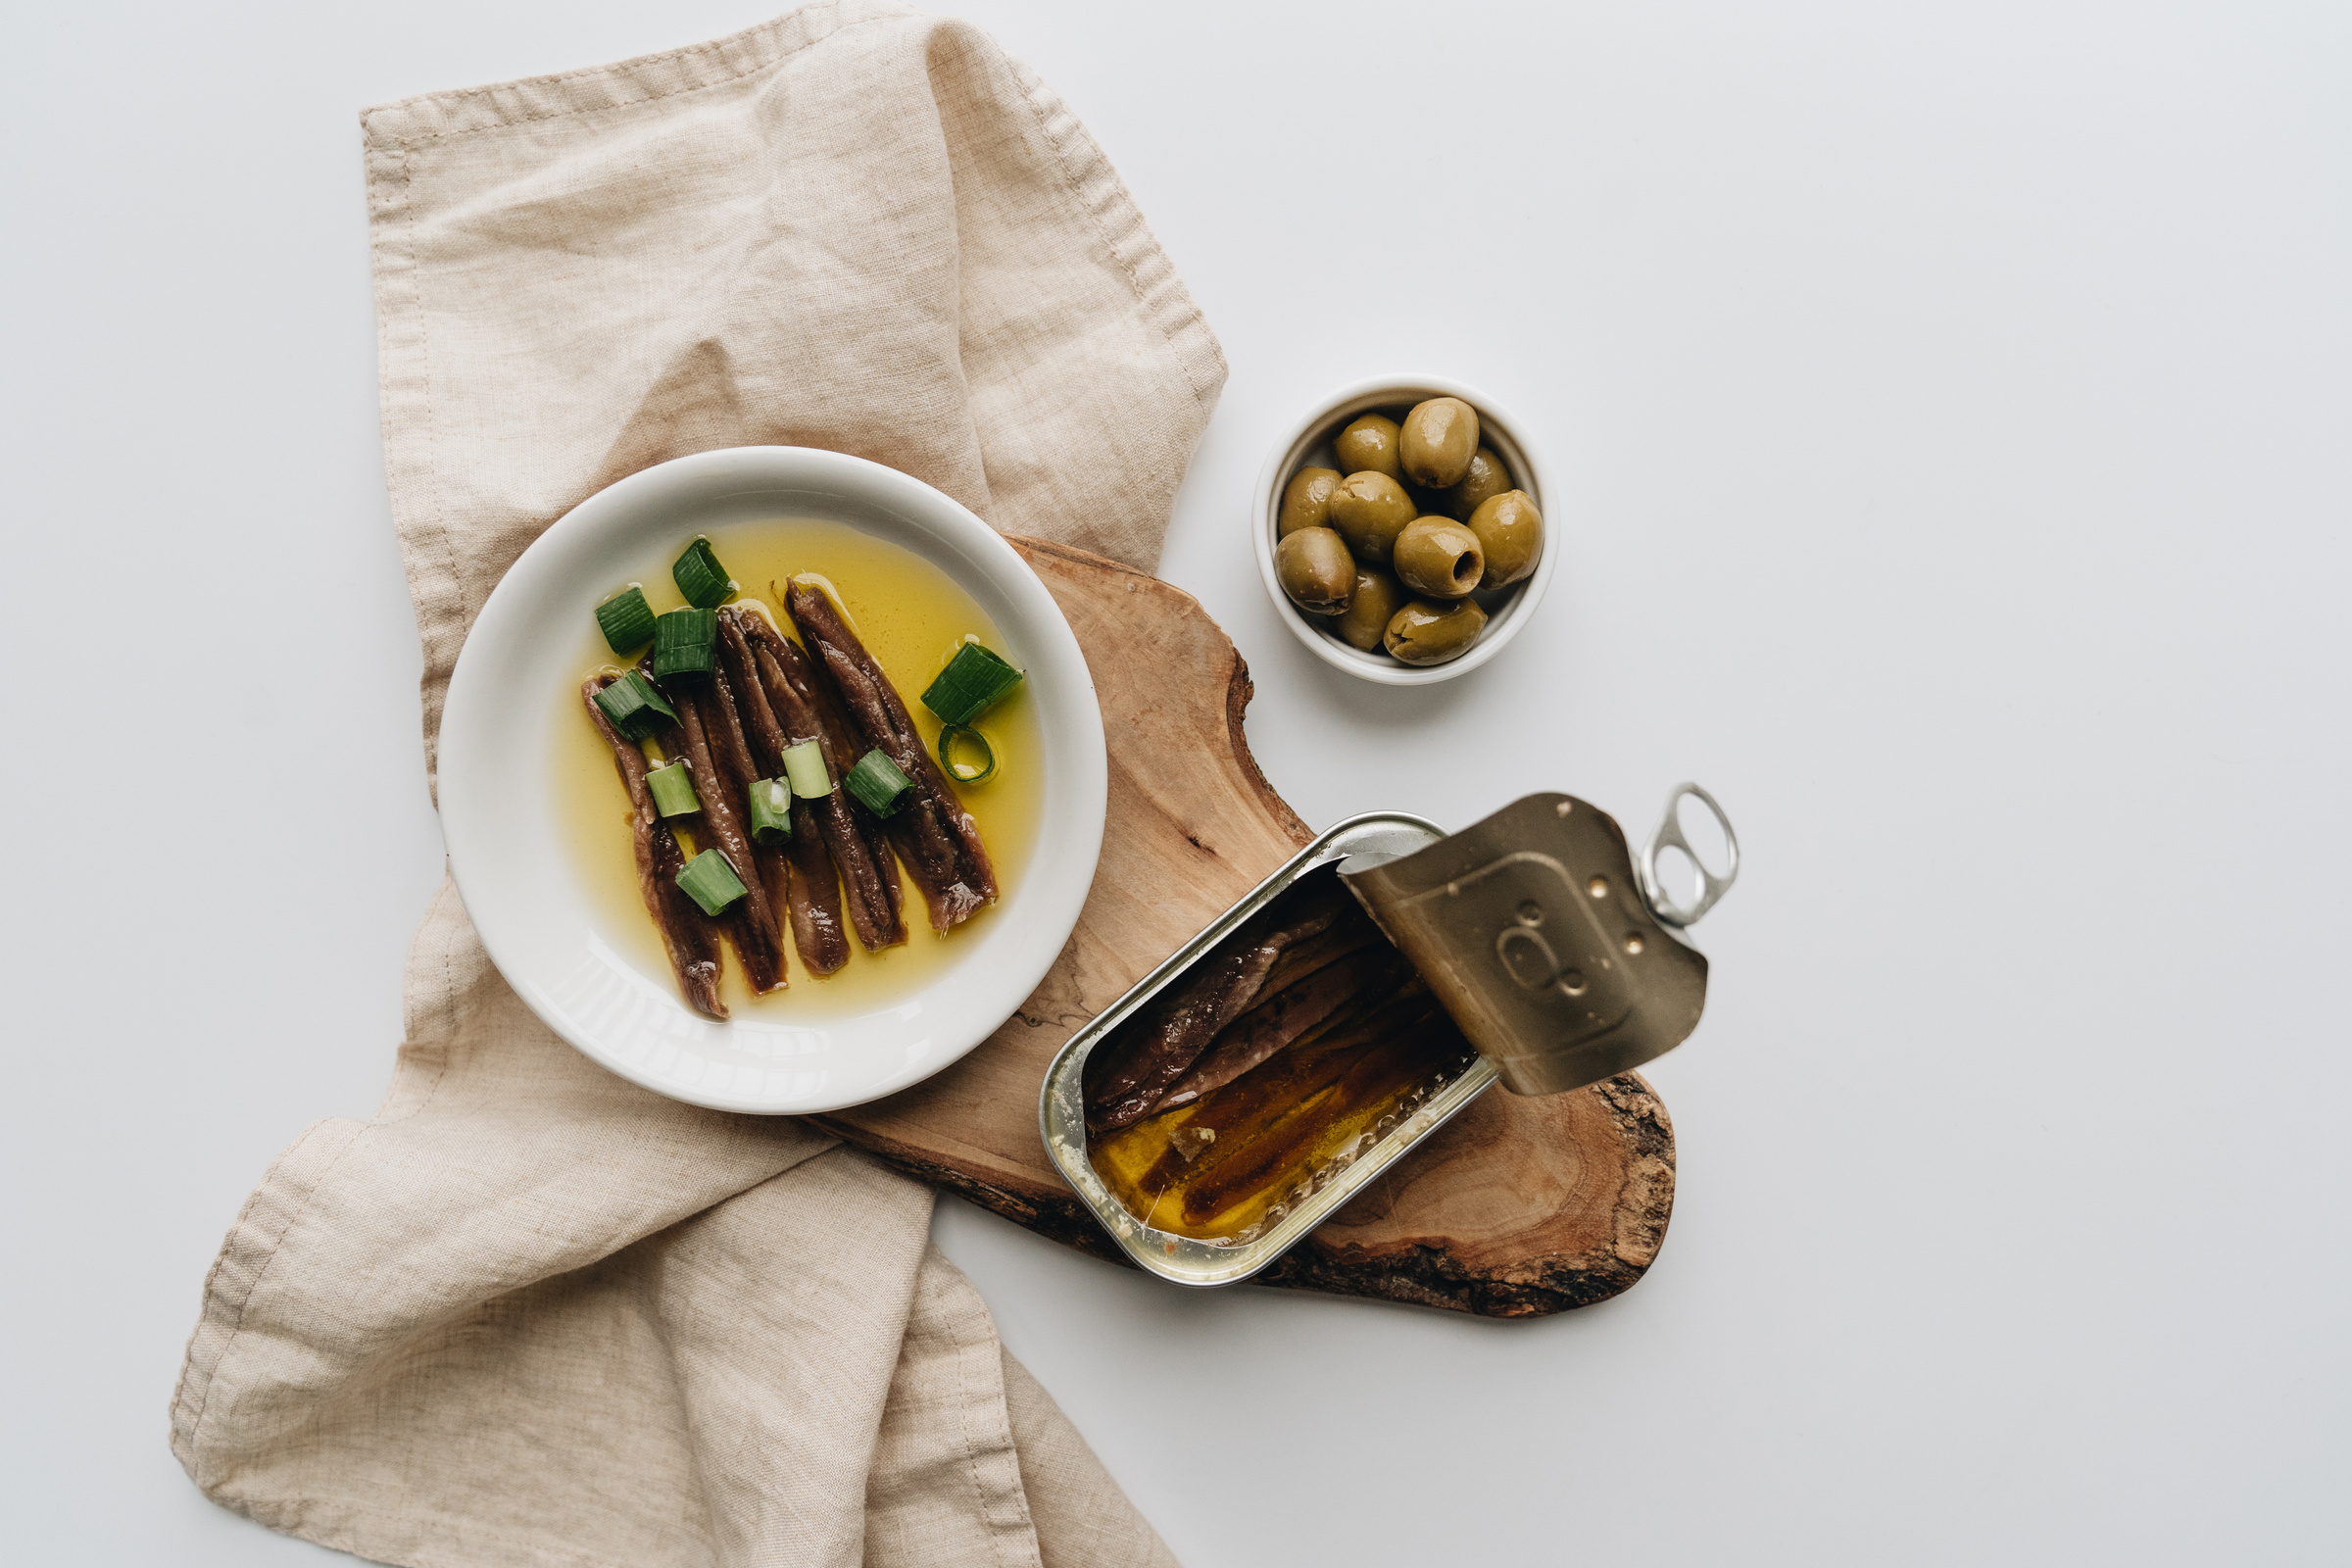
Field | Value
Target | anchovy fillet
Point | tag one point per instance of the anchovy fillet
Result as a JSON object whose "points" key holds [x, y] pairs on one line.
{"points": [[687, 934], [715, 751], [1284, 1016], [1179, 1029], [800, 874], [852, 840], [934, 834]]}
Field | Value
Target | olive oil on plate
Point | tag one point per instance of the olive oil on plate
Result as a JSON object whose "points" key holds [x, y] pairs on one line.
{"points": [[912, 616]]}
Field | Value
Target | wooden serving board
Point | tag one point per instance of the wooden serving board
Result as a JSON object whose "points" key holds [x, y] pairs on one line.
{"points": [[1515, 1208]]}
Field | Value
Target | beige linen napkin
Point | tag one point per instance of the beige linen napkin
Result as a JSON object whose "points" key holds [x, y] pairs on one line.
{"points": [[530, 1313]]}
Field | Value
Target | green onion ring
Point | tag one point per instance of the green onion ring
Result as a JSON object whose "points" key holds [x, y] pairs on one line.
{"points": [[965, 735]]}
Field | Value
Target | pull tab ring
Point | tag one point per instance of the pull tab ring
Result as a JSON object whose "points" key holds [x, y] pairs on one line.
{"points": [[1669, 836]]}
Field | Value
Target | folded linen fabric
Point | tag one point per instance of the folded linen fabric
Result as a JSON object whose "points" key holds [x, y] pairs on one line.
{"points": [[531, 1314]]}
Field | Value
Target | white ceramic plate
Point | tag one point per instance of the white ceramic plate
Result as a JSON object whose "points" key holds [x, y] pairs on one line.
{"points": [[518, 880]]}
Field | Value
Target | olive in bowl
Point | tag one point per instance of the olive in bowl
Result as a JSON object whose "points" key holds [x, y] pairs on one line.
{"points": [[1437, 558], [1371, 510], [1485, 479], [1306, 500], [1510, 534], [1317, 573], [1378, 596], [1370, 444], [1436, 442], [1431, 632]]}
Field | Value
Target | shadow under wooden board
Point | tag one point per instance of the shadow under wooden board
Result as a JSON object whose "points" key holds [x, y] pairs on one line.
{"points": [[1515, 1208]]}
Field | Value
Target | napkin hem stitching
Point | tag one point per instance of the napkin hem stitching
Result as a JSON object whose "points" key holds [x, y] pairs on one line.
{"points": [[241, 1230], [621, 70], [433, 422], [420, 1557]]}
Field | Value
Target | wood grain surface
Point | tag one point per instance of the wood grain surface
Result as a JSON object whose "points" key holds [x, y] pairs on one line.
{"points": [[1515, 1208]]}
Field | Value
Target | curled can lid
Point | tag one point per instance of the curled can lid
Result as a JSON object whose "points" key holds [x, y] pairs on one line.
{"points": [[1534, 929]]}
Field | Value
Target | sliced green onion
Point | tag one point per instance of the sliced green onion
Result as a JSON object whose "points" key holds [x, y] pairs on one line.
{"points": [[685, 643], [701, 578], [877, 783], [804, 766], [626, 621], [635, 709], [771, 811], [964, 738], [709, 880], [672, 785], [974, 681]]}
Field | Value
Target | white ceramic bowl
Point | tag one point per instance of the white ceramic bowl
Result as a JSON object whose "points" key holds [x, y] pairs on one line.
{"points": [[1309, 445], [518, 881]]}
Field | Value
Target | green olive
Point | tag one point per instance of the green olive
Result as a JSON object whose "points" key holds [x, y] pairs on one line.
{"points": [[1437, 558], [1370, 444], [1438, 439], [1306, 501], [1377, 600], [1486, 478], [1427, 633], [1512, 533], [1369, 509], [1316, 570]]}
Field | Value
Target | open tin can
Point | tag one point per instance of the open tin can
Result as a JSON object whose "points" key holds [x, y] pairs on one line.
{"points": [[1553, 952]]}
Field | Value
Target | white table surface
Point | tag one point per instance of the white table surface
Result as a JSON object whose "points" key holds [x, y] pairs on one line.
{"points": [[1954, 411]]}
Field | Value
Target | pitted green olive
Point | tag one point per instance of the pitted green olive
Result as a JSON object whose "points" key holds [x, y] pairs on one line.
{"points": [[1486, 478], [1369, 509], [1316, 570], [1438, 439], [1511, 535], [1370, 444], [1306, 501], [1437, 558], [1377, 600], [1428, 632]]}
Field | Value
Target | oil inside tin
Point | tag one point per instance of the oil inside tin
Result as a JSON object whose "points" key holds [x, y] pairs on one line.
{"points": [[1229, 1165]]}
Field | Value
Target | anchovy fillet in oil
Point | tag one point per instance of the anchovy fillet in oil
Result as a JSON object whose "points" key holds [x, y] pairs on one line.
{"points": [[1286, 1015], [801, 874], [854, 845], [688, 935], [934, 834], [713, 742], [1179, 1030]]}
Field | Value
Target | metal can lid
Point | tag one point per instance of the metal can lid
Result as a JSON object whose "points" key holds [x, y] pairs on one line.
{"points": [[1537, 933]]}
